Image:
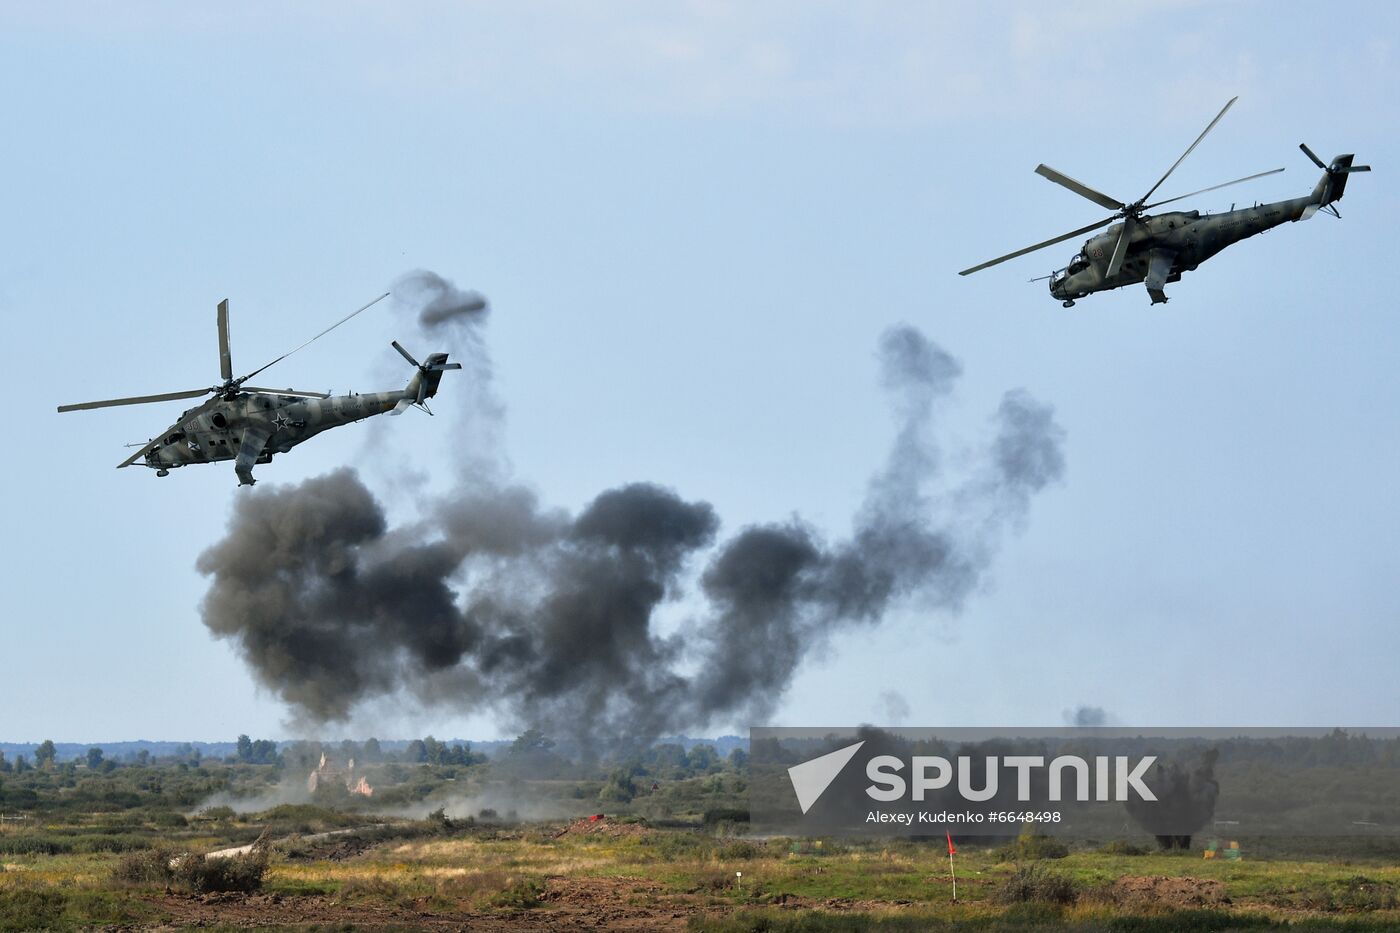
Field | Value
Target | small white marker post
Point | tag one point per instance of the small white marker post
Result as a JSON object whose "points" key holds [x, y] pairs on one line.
{"points": [[740, 876]]}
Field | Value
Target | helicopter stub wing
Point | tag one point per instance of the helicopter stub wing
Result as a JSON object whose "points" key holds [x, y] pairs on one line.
{"points": [[1159, 266], [248, 452]]}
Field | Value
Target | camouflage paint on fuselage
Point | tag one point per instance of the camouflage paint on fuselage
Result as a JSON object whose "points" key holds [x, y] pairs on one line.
{"points": [[250, 427], [1184, 239], [1190, 237], [214, 431]]}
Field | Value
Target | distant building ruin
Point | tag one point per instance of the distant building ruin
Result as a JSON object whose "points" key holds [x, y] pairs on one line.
{"points": [[328, 775]]}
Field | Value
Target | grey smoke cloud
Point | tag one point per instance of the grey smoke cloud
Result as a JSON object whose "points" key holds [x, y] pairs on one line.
{"points": [[453, 319], [894, 708], [493, 602], [438, 300], [1086, 716]]}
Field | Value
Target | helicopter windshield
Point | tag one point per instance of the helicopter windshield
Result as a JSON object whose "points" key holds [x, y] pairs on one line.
{"points": [[1079, 263]]}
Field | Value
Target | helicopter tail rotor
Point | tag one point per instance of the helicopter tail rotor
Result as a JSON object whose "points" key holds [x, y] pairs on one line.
{"points": [[424, 383], [1332, 184]]}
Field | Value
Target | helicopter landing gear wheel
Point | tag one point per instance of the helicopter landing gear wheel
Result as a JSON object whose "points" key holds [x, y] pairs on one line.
{"points": [[1068, 303], [162, 472]]}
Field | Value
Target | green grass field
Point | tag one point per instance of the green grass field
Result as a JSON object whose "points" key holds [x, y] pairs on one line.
{"points": [[632, 875], [124, 847]]}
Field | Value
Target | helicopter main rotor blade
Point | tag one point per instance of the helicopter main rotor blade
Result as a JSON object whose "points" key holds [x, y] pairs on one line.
{"points": [[1031, 249], [296, 392], [225, 359], [1230, 103], [1272, 171], [1312, 155], [243, 379], [1120, 249], [1078, 187], [405, 354], [136, 400]]}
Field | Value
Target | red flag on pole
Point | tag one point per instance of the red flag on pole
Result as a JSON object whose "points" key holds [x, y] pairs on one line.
{"points": [[951, 870]]}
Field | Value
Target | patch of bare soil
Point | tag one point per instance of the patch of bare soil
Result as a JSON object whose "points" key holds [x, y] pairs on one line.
{"points": [[1161, 891], [599, 825], [610, 904]]}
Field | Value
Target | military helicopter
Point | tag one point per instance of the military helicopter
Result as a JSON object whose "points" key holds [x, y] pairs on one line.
{"points": [[1157, 249], [248, 425]]}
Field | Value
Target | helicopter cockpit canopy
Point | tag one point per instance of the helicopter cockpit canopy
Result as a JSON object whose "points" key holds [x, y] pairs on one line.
{"points": [[1079, 263]]}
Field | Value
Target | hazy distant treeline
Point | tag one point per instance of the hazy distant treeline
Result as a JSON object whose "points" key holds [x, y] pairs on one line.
{"points": [[144, 750]]}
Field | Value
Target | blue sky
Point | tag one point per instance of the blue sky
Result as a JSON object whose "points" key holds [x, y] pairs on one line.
{"points": [[693, 222]]}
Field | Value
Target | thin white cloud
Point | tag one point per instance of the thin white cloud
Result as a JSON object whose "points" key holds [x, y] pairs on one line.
{"points": [[882, 64]]}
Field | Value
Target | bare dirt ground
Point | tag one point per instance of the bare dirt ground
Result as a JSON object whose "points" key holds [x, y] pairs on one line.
{"points": [[1161, 891], [629, 904], [602, 826]]}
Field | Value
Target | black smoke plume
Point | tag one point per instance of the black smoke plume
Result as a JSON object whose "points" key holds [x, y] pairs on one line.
{"points": [[1185, 801], [496, 603]]}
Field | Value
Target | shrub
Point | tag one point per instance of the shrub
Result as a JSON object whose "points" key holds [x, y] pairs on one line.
{"points": [[438, 821], [193, 872], [115, 842], [304, 817], [1122, 847], [1033, 884], [736, 851], [711, 882], [672, 846], [242, 873], [30, 908], [717, 815], [1029, 846], [35, 845], [149, 867], [523, 893]]}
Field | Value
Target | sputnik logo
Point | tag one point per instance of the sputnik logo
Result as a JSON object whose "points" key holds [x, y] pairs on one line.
{"points": [[811, 778]]}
